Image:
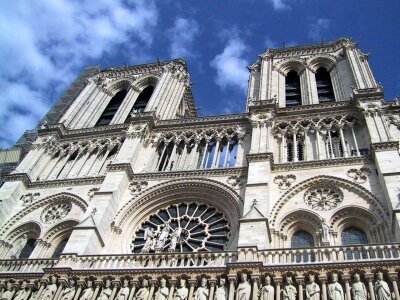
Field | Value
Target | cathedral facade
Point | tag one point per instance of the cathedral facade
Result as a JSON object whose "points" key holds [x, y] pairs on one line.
{"points": [[126, 193]]}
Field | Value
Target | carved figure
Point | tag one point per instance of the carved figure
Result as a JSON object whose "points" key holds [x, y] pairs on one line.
{"points": [[335, 290], [267, 291], [69, 292], [19, 245], [358, 290], [182, 292], [9, 293], [289, 291], [202, 291], [88, 292], [313, 291], [106, 291], [149, 236], [162, 237], [162, 292], [244, 289], [221, 292], [381, 287], [50, 290], [123, 292], [143, 292], [325, 230], [175, 235], [23, 292]]}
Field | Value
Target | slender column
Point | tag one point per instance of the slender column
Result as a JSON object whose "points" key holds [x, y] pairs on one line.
{"points": [[346, 279], [78, 291], [263, 138], [103, 160], [370, 278], [389, 137], [212, 288], [154, 283], [115, 284], [133, 289], [57, 170], [97, 284], [192, 283], [43, 166], [278, 283], [255, 279], [346, 154], [216, 154], [330, 144], [204, 155], [283, 149], [305, 150], [48, 166], [267, 138], [355, 141], [323, 280], [161, 156], [66, 172], [89, 171], [171, 289], [58, 292], [84, 160], [232, 281], [254, 138], [226, 154], [172, 157], [393, 277], [294, 147], [300, 282], [180, 165], [318, 143], [193, 156]]}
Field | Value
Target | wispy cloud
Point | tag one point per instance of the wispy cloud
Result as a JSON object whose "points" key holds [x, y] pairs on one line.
{"points": [[318, 27], [46, 43], [269, 43], [182, 36], [280, 4], [231, 65]]}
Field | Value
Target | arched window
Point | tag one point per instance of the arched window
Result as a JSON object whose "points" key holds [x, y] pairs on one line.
{"points": [[292, 89], [143, 99], [112, 108], [28, 248], [302, 239], [59, 249], [324, 86], [354, 236]]}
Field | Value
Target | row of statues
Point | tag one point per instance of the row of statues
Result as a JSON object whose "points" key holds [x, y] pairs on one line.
{"points": [[243, 291], [157, 240]]}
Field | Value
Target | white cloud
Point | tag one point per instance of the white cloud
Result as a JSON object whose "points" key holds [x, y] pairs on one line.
{"points": [[231, 66], [280, 4], [269, 43], [318, 27], [182, 36], [45, 44]]}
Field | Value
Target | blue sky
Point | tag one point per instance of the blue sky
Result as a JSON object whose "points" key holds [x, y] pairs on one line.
{"points": [[45, 44]]}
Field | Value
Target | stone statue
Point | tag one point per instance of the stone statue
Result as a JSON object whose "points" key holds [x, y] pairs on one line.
{"points": [[313, 291], [289, 290], [335, 290], [19, 245], [221, 293], [267, 291], [50, 290], [162, 292], [106, 291], [162, 237], [9, 292], [123, 292], [149, 236], [69, 292], [88, 292], [202, 291], [244, 289], [381, 287], [175, 235], [23, 292], [182, 292], [325, 230], [143, 292], [358, 290]]}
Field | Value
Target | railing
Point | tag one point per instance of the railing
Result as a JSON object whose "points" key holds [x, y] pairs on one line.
{"points": [[26, 265], [321, 254], [150, 260], [316, 255]]}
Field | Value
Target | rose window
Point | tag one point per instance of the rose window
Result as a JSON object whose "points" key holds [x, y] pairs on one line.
{"points": [[56, 212], [323, 198], [184, 227]]}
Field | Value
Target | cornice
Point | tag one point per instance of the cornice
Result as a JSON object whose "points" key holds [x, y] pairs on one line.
{"points": [[316, 108], [26, 180], [124, 167], [256, 157], [368, 94], [385, 146], [190, 173]]}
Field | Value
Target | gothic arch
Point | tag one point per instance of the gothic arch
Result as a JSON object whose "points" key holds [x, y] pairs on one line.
{"points": [[371, 199], [41, 203], [123, 83], [198, 190], [324, 61], [31, 228], [285, 66], [145, 81], [58, 233]]}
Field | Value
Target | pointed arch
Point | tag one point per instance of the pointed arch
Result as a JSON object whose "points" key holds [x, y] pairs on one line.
{"points": [[379, 210], [324, 61], [285, 66]]}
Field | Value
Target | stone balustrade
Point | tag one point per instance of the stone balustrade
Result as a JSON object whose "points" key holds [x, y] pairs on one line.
{"points": [[26, 265]]}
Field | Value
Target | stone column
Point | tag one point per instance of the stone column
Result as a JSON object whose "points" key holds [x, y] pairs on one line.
{"points": [[370, 277], [97, 284], [393, 278], [295, 158], [300, 282], [355, 140], [153, 283], [115, 284], [232, 281], [346, 279], [345, 153], [278, 283], [192, 283], [172, 284], [323, 279], [59, 289], [133, 289], [80, 284], [255, 279], [212, 282]]}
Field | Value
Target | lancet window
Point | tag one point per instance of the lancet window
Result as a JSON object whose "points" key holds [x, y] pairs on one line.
{"points": [[354, 236], [302, 239], [295, 147], [28, 248], [324, 86], [59, 249], [112, 108], [142, 100], [333, 144], [292, 89]]}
